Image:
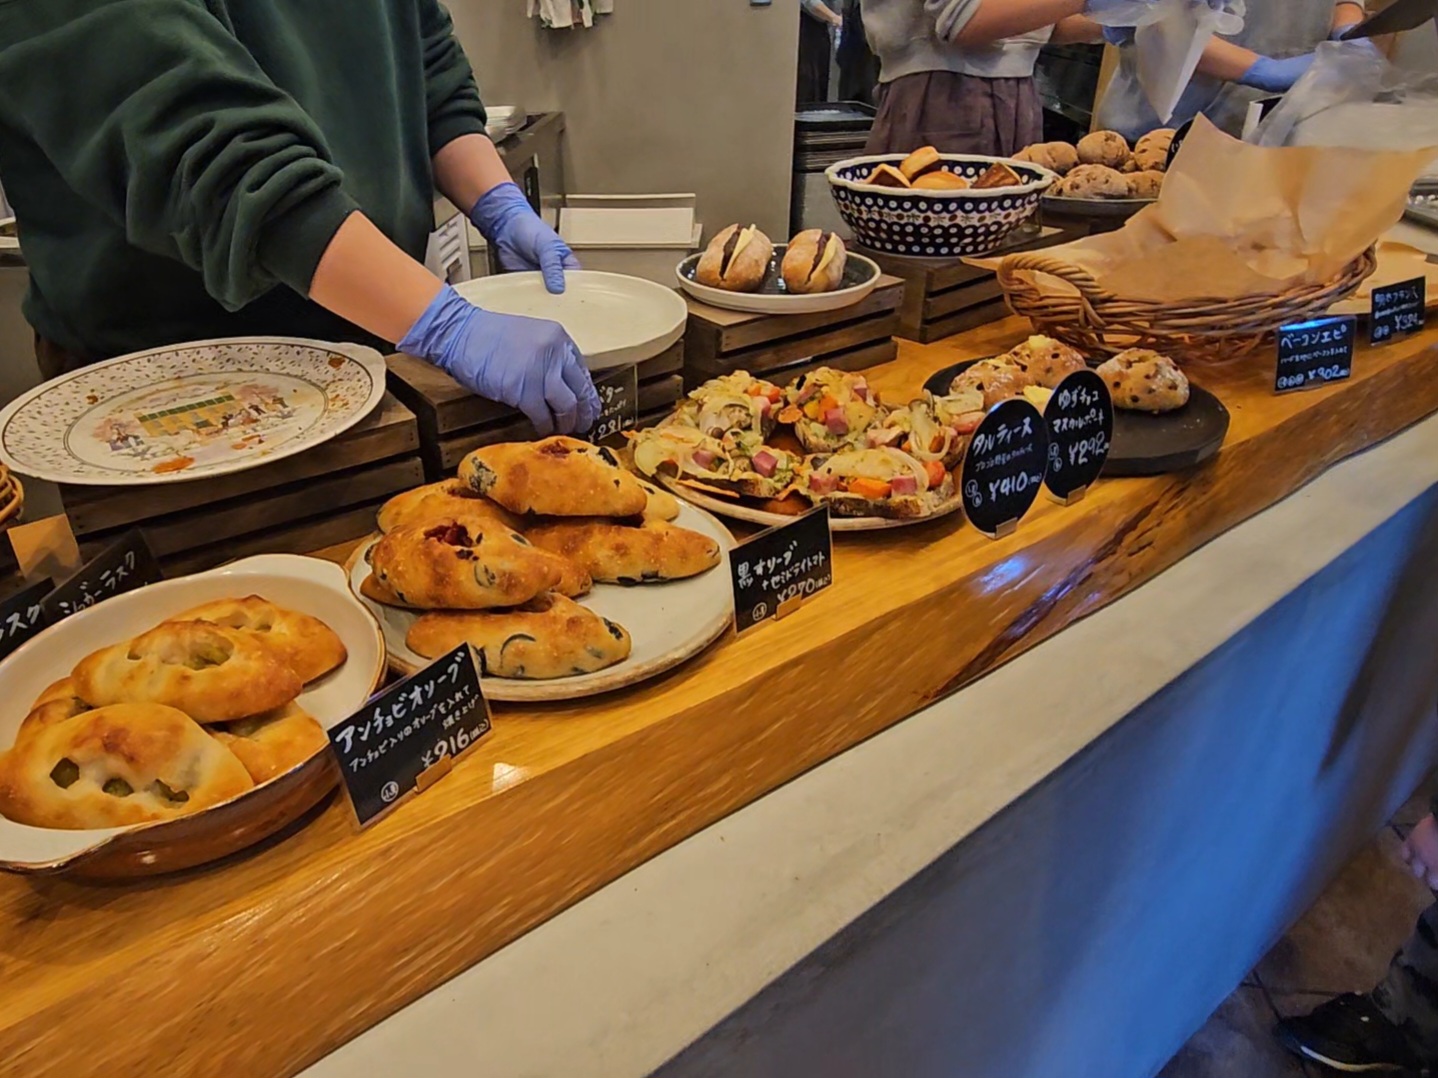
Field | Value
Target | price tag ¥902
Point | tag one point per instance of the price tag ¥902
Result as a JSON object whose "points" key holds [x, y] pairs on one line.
{"points": [[408, 737], [1315, 353], [779, 568], [618, 405]]}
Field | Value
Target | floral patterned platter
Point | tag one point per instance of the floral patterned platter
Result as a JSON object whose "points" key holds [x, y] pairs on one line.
{"points": [[190, 411]]}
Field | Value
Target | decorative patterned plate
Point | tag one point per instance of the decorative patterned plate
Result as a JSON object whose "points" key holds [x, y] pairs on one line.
{"points": [[190, 411]]}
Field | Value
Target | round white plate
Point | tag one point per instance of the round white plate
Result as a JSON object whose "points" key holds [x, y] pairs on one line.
{"points": [[190, 411], [668, 623], [861, 275], [305, 584], [615, 320], [750, 515]]}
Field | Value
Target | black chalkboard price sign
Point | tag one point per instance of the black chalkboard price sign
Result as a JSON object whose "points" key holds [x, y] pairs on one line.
{"points": [[1004, 467], [1079, 417], [618, 405], [408, 737], [1312, 354], [22, 615], [125, 566], [778, 569], [1398, 310]]}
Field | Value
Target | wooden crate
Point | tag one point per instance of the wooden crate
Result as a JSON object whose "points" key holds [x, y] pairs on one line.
{"points": [[453, 421], [782, 347], [324, 496], [944, 296]]}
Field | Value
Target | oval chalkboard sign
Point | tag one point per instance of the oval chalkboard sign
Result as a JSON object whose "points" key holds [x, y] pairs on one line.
{"points": [[1079, 417], [1004, 467]]}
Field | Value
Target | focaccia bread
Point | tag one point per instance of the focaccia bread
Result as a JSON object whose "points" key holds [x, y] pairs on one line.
{"points": [[436, 500], [461, 563], [1048, 361], [271, 744], [555, 477], [118, 765], [211, 673], [311, 647], [736, 260], [1141, 380], [615, 553], [831, 409], [736, 404], [56, 704], [551, 637], [920, 431]]}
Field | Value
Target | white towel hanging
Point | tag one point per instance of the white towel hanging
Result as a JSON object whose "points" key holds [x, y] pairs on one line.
{"points": [[566, 14]]}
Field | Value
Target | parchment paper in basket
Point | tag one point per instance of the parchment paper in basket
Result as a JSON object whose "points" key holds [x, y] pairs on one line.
{"points": [[1238, 220]]}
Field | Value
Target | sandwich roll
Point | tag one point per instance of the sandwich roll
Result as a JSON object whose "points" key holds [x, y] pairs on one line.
{"points": [[814, 262], [941, 181], [736, 260], [921, 162]]}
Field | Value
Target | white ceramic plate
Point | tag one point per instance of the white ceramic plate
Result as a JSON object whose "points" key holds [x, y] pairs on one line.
{"points": [[190, 411], [668, 623], [615, 320], [750, 515], [305, 584], [861, 275]]}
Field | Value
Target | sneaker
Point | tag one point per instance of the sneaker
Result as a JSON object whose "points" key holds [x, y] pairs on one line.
{"points": [[1351, 1035]]}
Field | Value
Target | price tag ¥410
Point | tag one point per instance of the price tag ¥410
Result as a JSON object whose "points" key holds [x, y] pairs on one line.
{"points": [[1004, 467], [408, 737], [781, 567]]}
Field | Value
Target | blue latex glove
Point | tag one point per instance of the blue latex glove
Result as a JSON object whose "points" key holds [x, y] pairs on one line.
{"points": [[523, 241], [1118, 36], [528, 363], [1276, 76]]}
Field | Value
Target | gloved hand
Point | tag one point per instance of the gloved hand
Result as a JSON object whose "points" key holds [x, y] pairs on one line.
{"points": [[1276, 76], [1118, 36], [528, 363], [523, 241]]}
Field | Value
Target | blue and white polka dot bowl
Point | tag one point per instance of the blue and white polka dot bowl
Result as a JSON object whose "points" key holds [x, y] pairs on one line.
{"points": [[935, 224]]}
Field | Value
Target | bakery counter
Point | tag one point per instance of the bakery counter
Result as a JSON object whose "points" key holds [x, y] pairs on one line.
{"points": [[326, 932]]}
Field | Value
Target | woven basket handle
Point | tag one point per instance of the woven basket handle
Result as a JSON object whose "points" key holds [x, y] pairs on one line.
{"points": [[1038, 262]]}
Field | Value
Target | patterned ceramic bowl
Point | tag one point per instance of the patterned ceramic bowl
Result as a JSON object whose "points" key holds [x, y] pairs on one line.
{"points": [[935, 224]]}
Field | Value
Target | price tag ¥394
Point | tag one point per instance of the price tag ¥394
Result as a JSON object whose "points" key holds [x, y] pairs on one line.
{"points": [[781, 567], [1398, 310], [618, 404], [1004, 467], [1312, 354], [408, 737], [127, 565]]}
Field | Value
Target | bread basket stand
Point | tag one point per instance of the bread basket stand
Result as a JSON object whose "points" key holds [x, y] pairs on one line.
{"points": [[1101, 323], [12, 498]]}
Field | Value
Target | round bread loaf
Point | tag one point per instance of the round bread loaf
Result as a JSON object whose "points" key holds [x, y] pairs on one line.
{"points": [[1103, 148], [1093, 181], [1142, 380]]}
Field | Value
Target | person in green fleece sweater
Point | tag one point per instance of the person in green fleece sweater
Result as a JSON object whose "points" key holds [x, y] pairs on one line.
{"points": [[187, 169]]}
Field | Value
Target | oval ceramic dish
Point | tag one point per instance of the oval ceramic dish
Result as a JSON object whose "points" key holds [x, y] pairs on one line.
{"points": [[861, 275], [1111, 209], [935, 224], [749, 515], [615, 320], [190, 411], [305, 584], [667, 623]]}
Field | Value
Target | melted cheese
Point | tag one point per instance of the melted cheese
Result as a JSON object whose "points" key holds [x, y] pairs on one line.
{"points": [[831, 252]]}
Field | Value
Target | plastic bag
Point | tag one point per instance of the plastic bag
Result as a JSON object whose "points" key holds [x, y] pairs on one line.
{"points": [[1352, 96]]}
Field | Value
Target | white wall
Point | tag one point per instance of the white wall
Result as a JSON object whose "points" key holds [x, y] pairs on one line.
{"points": [[661, 96]]}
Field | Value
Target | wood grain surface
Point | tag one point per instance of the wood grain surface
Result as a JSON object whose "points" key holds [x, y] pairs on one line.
{"points": [[261, 965]]}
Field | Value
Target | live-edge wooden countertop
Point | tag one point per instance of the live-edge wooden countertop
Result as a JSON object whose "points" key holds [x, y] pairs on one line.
{"points": [[263, 964]]}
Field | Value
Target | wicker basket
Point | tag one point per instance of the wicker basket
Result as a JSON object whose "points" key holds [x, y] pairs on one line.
{"points": [[12, 498], [1098, 322]]}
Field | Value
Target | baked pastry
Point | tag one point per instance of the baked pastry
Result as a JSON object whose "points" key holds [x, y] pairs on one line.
{"points": [[550, 637], [661, 505], [1103, 148], [1037, 154], [1150, 159], [941, 181], [995, 380], [882, 482], [887, 176], [211, 673], [1092, 181], [310, 647], [1141, 380], [115, 766], [814, 262], [1145, 184], [377, 592], [997, 175], [271, 744], [1064, 157], [436, 500], [56, 704], [555, 477], [460, 563], [920, 432], [615, 553], [1048, 361], [1158, 141], [736, 260], [921, 162], [830, 409], [732, 404]]}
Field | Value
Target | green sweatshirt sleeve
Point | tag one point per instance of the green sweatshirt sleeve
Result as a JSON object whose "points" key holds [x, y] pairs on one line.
{"points": [[163, 121], [450, 92]]}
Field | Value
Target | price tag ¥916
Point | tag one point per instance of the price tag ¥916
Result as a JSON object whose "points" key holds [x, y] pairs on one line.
{"points": [[125, 566], [618, 405], [1398, 310], [1313, 354], [408, 737], [779, 568], [1004, 467]]}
